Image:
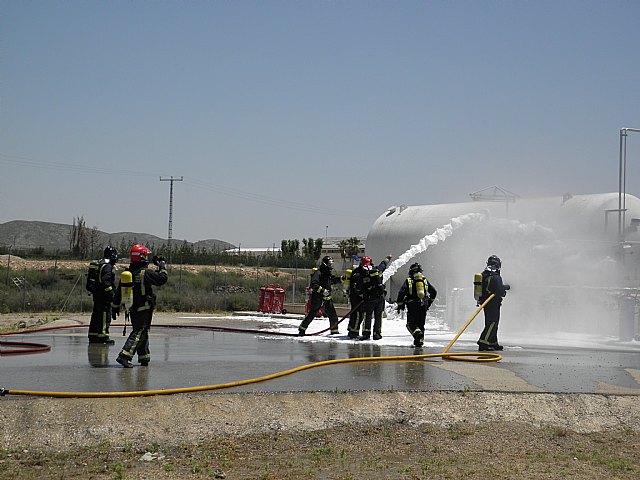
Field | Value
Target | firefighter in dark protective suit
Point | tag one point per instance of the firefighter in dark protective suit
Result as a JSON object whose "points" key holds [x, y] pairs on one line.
{"points": [[102, 292], [417, 294], [373, 293], [144, 301], [356, 298], [321, 282], [491, 283]]}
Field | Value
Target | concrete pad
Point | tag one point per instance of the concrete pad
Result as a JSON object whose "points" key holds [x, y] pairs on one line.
{"points": [[193, 357]]}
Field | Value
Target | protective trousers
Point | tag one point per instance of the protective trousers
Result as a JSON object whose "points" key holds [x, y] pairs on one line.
{"points": [[138, 340], [489, 336], [316, 302], [373, 307], [416, 317], [356, 316], [100, 319]]}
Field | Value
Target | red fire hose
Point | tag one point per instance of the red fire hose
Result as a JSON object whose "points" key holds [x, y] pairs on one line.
{"points": [[22, 348]]}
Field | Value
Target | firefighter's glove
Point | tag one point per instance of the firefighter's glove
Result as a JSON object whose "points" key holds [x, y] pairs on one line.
{"points": [[400, 307], [507, 286], [388, 258], [326, 293], [429, 302], [114, 313], [159, 261]]}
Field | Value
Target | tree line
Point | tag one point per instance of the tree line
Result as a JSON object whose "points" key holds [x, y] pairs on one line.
{"points": [[84, 244]]}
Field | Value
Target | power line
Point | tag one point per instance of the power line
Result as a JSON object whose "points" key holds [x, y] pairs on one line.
{"points": [[213, 187], [268, 200], [75, 168]]}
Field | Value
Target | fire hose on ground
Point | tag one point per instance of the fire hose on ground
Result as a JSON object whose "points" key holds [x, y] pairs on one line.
{"points": [[445, 354], [22, 348]]}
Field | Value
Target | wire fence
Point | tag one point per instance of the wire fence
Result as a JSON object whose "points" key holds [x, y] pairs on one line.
{"points": [[189, 289]]}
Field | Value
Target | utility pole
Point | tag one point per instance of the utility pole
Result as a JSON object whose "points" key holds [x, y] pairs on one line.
{"points": [[171, 179]]}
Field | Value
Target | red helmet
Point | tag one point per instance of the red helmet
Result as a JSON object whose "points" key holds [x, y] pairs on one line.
{"points": [[139, 253], [365, 261]]}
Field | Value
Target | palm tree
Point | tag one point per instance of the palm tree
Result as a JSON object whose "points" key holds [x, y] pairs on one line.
{"points": [[343, 245], [352, 246]]}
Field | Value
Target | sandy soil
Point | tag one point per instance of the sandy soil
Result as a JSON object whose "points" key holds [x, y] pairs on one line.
{"points": [[17, 264]]}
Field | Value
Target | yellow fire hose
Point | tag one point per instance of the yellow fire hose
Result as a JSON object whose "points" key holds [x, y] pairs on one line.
{"points": [[462, 356], [467, 324]]}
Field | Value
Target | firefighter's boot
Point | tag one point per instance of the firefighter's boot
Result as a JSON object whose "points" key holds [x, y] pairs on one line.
{"points": [[124, 361]]}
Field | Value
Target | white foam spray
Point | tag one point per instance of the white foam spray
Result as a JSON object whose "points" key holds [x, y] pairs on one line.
{"points": [[439, 235]]}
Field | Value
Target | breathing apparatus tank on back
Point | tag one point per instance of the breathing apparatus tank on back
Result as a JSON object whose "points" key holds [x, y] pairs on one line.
{"points": [[415, 271], [126, 289], [493, 265], [477, 287], [419, 279], [346, 279]]}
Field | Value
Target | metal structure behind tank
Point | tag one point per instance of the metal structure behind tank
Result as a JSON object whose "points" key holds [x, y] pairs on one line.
{"points": [[531, 235]]}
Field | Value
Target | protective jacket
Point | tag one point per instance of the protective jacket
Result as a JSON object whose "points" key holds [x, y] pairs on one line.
{"points": [[321, 282], [106, 281], [492, 283], [356, 289], [371, 282], [144, 279], [408, 293]]}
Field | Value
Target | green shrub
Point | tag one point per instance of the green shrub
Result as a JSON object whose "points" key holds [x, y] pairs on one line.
{"points": [[207, 291]]}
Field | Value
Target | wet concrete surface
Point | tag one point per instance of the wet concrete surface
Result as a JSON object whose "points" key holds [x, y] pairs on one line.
{"points": [[193, 357]]}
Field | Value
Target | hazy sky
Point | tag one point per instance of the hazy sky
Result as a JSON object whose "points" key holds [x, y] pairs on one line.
{"points": [[285, 117]]}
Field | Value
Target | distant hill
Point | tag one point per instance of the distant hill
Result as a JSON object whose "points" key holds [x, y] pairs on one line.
{"points": [[55, 236]]}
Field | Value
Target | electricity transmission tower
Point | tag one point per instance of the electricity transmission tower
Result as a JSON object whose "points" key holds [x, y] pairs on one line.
{"points": [[171, 179]]}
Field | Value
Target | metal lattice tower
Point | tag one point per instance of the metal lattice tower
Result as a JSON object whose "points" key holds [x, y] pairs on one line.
{"points": [[493, 194], [622, 181], [171, 179]]}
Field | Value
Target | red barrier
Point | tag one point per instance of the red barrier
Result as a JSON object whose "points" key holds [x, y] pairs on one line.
{"points": [[261, 297], [267, 305], [278, 300], [271, 299]]}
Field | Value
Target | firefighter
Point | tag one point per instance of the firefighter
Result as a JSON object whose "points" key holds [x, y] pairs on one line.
{"points": [[417, 294], [321, 282], [373, 294], [492, 283], [356, 298], [144, 302], [102, 293]]}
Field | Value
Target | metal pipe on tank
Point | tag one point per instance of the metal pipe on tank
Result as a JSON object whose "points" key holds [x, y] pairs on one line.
{"points": [[622, 181]]}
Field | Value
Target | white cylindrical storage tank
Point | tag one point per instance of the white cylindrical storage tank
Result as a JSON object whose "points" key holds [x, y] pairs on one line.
{"points": [[553, 249]]}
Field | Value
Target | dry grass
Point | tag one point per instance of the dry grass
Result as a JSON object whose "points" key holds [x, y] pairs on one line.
{"points": [[387, 451]]}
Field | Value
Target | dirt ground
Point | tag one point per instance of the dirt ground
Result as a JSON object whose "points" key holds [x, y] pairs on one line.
{"points": [[340, 435]]}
